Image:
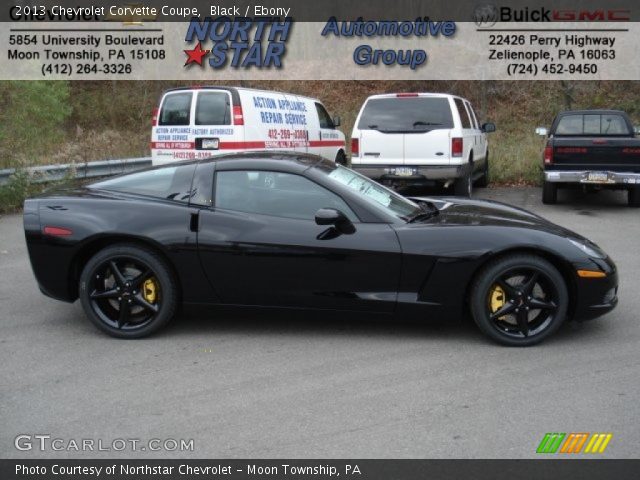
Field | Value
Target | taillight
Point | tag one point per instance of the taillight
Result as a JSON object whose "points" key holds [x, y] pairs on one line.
{"points": [[548, 155], [57, 231], [154, 117], [456, 147], [355, 147], [404, 95], [238, 117]]}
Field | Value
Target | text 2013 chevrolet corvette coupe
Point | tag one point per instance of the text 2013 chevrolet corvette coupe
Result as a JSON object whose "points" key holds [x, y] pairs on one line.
{"points": [[289, 230]]}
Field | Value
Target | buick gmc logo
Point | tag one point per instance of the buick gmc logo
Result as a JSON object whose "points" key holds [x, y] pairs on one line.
{"points": [[487, 15]]}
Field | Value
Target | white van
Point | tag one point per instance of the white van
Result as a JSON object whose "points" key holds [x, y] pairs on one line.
{"points": [[421, 138], [199, 122]]}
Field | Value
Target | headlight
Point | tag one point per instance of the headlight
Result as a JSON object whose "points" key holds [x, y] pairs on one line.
{"points": [[591, 250]]}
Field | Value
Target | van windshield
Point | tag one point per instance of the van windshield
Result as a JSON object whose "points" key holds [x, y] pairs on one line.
{"points": [[406, 114]]}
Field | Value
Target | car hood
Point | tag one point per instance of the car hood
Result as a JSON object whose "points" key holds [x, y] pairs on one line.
{"points": [[459, 211]]}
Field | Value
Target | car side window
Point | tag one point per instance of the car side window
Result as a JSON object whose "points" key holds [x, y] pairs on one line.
{"points": [[176, 109], [324, 117], [462, 112], [275, 193]]}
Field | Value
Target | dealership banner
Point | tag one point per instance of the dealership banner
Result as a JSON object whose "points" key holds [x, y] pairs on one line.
{"points": [[305, 40], [316, 469]]}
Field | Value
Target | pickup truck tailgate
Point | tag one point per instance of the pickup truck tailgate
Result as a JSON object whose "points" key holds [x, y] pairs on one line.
{"points": [[609, 153]]}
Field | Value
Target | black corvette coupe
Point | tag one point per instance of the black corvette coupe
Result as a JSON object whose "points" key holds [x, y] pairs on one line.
{"points": [[297, 231]]}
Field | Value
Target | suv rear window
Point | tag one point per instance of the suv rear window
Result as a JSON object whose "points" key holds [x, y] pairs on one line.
{"points": [[592, 124], [171, 183], [406, 114], [176, 109], [213, 108]]}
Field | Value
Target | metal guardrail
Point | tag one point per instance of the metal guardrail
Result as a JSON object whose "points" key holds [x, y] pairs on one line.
{"points": [[102, 168]]}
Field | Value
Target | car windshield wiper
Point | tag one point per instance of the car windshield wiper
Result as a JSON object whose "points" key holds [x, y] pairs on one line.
{"points": [[426, 124], [427, 211]]}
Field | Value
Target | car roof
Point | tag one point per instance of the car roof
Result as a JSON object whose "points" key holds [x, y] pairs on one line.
{"points": [[261, 160], [419, 94], [233, 89], [593, 110]]}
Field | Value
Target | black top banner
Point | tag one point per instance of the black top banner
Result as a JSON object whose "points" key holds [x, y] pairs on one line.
{"points": [[479, 11]]}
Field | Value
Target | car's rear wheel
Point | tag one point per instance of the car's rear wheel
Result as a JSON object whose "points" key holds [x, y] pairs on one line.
{"points": [[463, 186], [519, 300], [128, 291], [633, 197], [549, 193]]}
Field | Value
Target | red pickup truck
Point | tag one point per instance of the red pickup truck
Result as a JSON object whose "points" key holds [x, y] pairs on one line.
{"points": [[594, 149]]}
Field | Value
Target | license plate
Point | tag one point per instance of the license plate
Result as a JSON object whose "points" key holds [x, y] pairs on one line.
{"points": [[598, 177], [210, 143], [404, 171]]}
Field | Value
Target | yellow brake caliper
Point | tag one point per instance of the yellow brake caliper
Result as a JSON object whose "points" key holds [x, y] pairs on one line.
{"points": [[497, 299], [150, 290]]}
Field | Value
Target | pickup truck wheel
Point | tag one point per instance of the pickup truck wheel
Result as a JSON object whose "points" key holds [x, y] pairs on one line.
{"points": [[634, 197], [549, 193], [463, 185]]}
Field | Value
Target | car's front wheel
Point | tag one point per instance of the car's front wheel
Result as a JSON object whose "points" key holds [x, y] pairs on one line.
{"points": [[519, 300], [128, 291]]}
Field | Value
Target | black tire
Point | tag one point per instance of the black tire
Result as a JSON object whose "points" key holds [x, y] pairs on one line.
{"points": [[128, 291], [341, 158], [463, 186], [505, 293], [483, 181], [633, 197], [549, 193]]}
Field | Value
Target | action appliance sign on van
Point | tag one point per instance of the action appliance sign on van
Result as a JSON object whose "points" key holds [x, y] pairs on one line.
{"points": [[203, 122]]}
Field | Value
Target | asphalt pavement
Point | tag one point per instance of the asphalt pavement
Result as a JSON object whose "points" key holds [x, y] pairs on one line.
{"points": [[252, 384]]}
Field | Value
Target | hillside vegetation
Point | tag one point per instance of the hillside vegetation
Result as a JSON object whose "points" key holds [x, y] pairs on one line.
{"points": [[75, 122]]}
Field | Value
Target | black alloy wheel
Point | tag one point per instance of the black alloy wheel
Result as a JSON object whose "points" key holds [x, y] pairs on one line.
{"points": [[519, 300], [128, 291]]}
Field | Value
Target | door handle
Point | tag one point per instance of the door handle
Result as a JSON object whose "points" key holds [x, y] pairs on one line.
{"points": [[194, 222]]}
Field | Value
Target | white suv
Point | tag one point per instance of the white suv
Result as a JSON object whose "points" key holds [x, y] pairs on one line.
{"points": [[421, 138]]}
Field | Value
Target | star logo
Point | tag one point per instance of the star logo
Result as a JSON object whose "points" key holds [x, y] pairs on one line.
{"points": [[195, 55]]}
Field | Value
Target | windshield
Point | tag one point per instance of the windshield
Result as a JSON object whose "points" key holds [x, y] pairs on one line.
{"points": [[406, 114], [374, 193]]}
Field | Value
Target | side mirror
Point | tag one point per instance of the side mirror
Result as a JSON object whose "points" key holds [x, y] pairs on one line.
{"points": [[488, 127], [335, 218], [336, 121], [542, 131]]}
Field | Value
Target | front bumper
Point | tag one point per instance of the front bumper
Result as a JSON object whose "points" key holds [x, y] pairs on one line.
{"points": [[582, 176], [597, 296], [411, 173]]}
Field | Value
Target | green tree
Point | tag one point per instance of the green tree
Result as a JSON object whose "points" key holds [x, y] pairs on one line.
{"points": [[32, 118]]}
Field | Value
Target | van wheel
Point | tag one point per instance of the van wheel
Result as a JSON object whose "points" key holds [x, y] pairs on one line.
{"points": [[634, 197], [462, 186], [549, 193], [341, 158]]}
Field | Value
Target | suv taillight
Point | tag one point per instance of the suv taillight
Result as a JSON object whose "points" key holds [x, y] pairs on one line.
{"points": [[548, 155], [355, 147], [238, 117], [154, 117], [456, 147]]}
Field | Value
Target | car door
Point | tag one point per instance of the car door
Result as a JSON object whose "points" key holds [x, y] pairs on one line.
{"points": [[259, 245]]}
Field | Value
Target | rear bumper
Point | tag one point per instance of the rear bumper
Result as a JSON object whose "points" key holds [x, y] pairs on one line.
{"points": [[582, 176], [418, 172]]}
